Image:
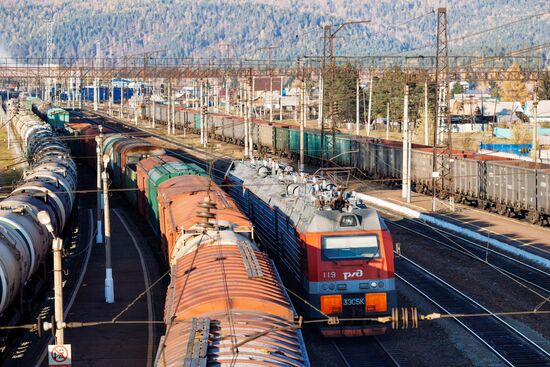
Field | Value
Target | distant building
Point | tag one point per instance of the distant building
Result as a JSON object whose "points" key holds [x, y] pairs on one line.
{"points": [[266, 84]]}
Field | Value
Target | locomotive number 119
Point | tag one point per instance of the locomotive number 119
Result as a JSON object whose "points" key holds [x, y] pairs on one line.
{"points": [[329, 275]]}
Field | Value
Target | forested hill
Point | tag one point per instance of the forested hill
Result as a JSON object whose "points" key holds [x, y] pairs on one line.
{"points": [[198, 27]]}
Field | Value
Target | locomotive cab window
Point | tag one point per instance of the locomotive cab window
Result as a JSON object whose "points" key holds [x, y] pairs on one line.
{"points": [[350, 247]]}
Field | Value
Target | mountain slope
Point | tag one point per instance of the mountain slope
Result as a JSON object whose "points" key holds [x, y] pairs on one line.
{"points": [[180, 28]]}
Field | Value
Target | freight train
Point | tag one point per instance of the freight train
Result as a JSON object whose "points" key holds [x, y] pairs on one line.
{"points": [[207, 240], [48, 185], [243, 315], [513, 188], [336, 253]]}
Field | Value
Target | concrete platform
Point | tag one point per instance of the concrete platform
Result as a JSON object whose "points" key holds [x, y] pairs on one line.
{"points": [[135, 268]]}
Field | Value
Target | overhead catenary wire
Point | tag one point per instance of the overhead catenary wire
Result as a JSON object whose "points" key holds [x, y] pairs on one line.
{"points": [[477, 33], [385, 319]]}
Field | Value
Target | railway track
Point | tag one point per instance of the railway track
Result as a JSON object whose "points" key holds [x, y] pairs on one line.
{"points": [[505, 341], [124, 127], [364, 352], [516, 268], [509, 344]]}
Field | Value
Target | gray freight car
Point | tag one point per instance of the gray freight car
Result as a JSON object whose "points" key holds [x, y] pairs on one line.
{"points": [[513, 188]]}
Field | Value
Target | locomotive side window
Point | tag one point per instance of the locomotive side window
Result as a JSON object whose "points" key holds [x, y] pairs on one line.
{"points": [[351, 247]]}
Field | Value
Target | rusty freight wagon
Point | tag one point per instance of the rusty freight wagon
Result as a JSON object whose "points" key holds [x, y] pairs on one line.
{"points": [[224, 293]]}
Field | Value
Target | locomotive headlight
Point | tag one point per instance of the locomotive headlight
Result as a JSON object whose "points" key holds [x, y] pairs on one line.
{"points": [[331, 286], [373, 284], [380, 284], [324, 287], [348, 221]]}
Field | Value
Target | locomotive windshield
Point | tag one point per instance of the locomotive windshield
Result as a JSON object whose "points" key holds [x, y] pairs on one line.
{"points": [[350, 247]]}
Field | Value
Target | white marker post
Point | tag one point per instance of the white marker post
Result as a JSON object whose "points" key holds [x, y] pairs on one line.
{"points": [[109, 283]]}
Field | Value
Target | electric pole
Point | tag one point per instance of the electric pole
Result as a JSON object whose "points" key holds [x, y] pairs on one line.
{"points": [[371, 85], [109, 283], [246, 112], [57, 248], [320, 107], [49, 57], [406, 184], [201, 106], [442, 176], [281, 101], [388, 120], [96, 79], [426, 127], [251, 118], [99, 157], [357, 102], [303, 114], [535, 127]]}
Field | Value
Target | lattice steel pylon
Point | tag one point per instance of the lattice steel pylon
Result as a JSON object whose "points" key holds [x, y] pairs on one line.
{"points": [[442, 176], [49, 56], [328, 58]]}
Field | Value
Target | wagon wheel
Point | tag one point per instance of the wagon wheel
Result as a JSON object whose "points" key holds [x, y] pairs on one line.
{"points": [[534, 217], [501, 209]]}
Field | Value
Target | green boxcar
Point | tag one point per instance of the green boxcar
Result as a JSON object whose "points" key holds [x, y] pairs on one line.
{"points": [[160, 174], [343, 149], [57, 118], [312, 144], [294, 141], [197, 120], [281, 139], [131, 183]]}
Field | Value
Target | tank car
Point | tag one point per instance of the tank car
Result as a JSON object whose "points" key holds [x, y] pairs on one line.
{"points": [[48, 185], [225, 304]]}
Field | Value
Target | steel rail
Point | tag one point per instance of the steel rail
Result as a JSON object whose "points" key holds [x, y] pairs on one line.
{"points": [[504, 340], [364, 352], [532, 275]]}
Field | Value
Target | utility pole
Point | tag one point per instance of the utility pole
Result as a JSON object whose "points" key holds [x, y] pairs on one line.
{"points": [[371, 85], [109, 283], [251, 119], [201, 106], [388, 120], [227, 99], [281, 101], [168, 111], [320, 108], [57, 248], [154, 105], [303, 114], [96, 79], [442, 175], [99, 157], [535, 127], [426, 127], [357, 103], [111, 96], [49, 56], [121, 87], [252, 93], [173, 109], [246, 123], [204, 114], [406, 184]]}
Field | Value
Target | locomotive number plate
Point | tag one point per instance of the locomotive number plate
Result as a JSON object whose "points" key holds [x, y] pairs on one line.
{"points": [[358, 301]]}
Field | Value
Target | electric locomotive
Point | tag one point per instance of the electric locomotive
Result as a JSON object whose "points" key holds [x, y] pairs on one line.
{"points": [[331, 249]]}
